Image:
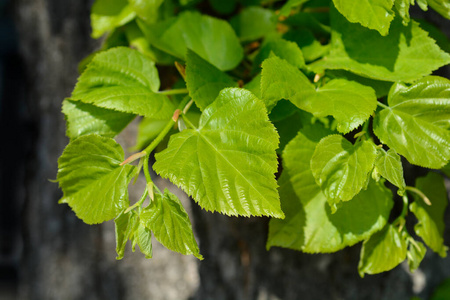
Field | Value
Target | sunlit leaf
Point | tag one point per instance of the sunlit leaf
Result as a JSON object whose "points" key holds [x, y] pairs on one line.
{"points": [[406, 54], [431, 217], [145, 9], [349, 102], [415, 255], [169, 222], [228, 163], [106, 15], [340, 168], [441, 6], [283, 49], [416, 124], [93, 182], [124, 80], [253, 23], [204, 81], [383, 251], [125, 226], [389, 165], [213, 39], [83, 118], [374, 14], [309, 225]]}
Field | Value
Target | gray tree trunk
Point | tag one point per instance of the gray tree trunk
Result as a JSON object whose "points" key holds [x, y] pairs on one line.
{"points": [[62, 258]]}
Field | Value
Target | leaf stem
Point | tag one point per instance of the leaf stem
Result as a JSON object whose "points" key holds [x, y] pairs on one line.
{"points": [[364, 132], [174, 92], [414, 243], [186, 108], [166, 129], [405, 205], [188, 122], [158, 140], [419, 193], [145, 154], [139, 203], [382, 105], [133, 157], [401, 218]]}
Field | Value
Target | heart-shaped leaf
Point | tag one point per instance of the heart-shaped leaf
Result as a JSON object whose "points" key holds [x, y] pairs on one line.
{"points": [[309, 225], [94, 184], [349, 102], [124, 80], [340, 168], [170, 223], [416, 124], [228, 163]]}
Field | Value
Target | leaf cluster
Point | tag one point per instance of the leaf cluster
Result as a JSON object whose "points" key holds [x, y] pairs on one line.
{"points": [[302, 110]]}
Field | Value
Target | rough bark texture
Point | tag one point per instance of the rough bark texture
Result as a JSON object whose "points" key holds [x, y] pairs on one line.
{"points": [[62, 258]]}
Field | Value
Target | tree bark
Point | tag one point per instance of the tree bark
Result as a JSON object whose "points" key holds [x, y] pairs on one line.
{"points": [[62, 258]]}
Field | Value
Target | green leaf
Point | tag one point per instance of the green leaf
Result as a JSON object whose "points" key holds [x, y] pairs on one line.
{"points": [[129, 227], [287, 7], [282, 48], [211, 38], [381, 87], [416, 124], [311, 48], [436, 34], [188, 2], [168, 220], [350, 103], [254, 86], [416, 253], [431, 217], [223, 7], [106, 15], [340, 168], [402, 7], [145, 9], [251, 2], [83, 118], [136, 39], [423, 4], [303, 20], [374, 14], [253, 23], [309, 225], [297, 159], [406, 54], [124, 80], [383, 251], [204, 81], [228, 163], [288, 120], [446, 170], [285, 109], [441, 6], [93, 182], [125, 226], [389, 165], [143, 238], [116, 38]]}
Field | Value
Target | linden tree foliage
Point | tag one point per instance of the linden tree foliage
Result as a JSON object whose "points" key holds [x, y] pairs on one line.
{"points": [[304, 111]]}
